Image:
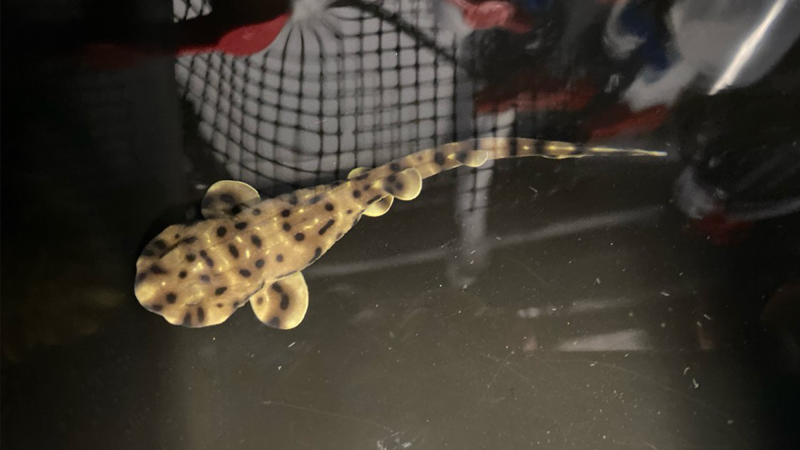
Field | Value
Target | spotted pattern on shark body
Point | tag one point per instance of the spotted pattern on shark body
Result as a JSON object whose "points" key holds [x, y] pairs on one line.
{"points": [[253, 250]]}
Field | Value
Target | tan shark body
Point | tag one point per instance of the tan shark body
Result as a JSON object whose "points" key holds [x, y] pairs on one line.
{"points": [[253, 250]]}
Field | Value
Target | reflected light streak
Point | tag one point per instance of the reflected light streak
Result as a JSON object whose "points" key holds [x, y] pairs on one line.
{"points": [[747, 49]]}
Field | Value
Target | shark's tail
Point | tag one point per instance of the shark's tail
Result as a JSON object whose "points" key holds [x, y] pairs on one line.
{"points": [[475, 152]]}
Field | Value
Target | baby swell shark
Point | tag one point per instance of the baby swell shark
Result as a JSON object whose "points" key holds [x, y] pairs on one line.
{"points": [[252, 250]]}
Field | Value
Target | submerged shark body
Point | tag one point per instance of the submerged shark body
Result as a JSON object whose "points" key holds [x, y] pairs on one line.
{"points": [[253, 250]]}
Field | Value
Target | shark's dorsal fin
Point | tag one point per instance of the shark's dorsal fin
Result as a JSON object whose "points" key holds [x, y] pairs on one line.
{"points": [[227, 199], [282, 303]]}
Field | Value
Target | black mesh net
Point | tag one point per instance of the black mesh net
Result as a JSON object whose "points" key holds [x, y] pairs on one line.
{"points": [[359, 86]]}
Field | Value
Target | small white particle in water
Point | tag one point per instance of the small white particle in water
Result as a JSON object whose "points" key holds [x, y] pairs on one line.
{"points": [[663, 324], [707, 317], [730, 421], [290, 345], [279, 367], [695, 383], [472, 252], [685, 371], [597, 280], [592, 364], [498, 238], [630, 314], [612, 243], [665, 293]]}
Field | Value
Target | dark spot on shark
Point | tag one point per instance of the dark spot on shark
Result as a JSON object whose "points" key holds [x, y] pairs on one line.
{"points": [[314, 200], [287, 226], [140, 277], [284, 301], [275, 322], [147, 252], [259, 300], [327, 226], [255, 240], [156, 307], [439, 158], [374, 199], [279, 258], [221, 231], [205, 278], [190, 240], [356, 194], [391, 178], [259, 263], [233, 250], [462, 156], [286, 213], [396, 167], [277, 287], [206, 258], [317, 254], [172, 298], [241, 225], [157, 270], [299, 237], [245, 273], [227, 198], [182, 274], [190, 257], [220, 290], [363, 176], [160, 244], [187, 319], [256, 212], [201, 314], [328, 207]]}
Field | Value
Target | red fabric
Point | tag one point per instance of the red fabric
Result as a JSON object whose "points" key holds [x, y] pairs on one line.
{"points": [[111, 56], [620, 119], [244, 40], [719, 230], [530, 91], [494, 13]]}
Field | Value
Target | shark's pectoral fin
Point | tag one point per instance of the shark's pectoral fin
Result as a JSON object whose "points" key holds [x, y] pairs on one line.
{"points": [[227, 198], [405, 185], [283, 303]]}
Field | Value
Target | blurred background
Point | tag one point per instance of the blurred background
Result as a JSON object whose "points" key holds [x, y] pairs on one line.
{"points": [[598, 303]]}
